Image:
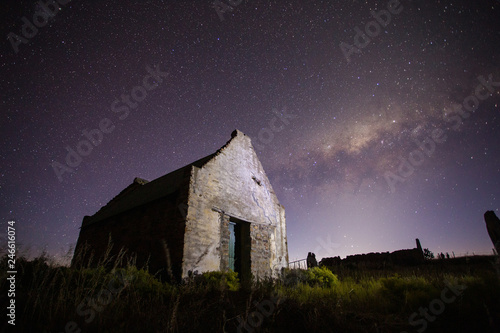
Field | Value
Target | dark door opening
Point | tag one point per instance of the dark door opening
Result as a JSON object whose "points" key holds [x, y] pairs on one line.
{"points": [[239, 248]]}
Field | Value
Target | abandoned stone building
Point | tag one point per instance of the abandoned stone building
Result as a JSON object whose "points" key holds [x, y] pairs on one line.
{"points": [[215, 214]]}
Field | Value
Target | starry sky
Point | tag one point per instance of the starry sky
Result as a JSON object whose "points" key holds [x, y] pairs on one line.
{"points": [[377, 122]]}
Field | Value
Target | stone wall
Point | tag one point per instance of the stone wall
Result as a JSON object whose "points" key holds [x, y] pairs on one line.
{"points": [[261, 249], [233, 183], [378, 259], [154, 232]]}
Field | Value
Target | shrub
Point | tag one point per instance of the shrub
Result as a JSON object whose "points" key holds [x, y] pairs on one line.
{"points": [[142, 281], [218, 280], [321, 276], [293, 277], [400, 292]]}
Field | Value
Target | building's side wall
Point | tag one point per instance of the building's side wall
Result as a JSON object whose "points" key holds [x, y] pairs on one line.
{"points": [[154, 232], [234, 182]]}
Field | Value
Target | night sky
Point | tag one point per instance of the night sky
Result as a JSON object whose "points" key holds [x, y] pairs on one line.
{"points": [[372, 134]]}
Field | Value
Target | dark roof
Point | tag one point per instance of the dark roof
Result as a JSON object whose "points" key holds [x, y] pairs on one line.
{"points": [[141, 192]]}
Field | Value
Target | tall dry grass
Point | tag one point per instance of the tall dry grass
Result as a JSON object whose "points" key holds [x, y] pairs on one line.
{"points": [[113, 295]]}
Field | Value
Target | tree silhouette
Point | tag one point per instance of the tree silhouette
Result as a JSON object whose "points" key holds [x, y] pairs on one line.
{"points": [[428, 254]]}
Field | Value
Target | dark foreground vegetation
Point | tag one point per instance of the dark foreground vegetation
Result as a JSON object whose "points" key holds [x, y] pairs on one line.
{"points": [[450, 295]]}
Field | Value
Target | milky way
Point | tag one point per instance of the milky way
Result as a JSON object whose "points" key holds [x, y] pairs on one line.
{"points": [[376, 122]]}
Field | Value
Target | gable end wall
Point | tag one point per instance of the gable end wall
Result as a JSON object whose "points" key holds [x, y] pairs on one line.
{"points": [[233, 183]]}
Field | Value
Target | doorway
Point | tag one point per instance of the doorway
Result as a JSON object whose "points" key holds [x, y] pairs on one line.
{"points": [[239, 248]]}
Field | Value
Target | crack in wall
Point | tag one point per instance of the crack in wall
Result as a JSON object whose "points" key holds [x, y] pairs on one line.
{"points": [[263, 210]]}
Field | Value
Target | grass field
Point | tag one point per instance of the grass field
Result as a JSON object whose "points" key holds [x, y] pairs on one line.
{"points": [[455, 295]]}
